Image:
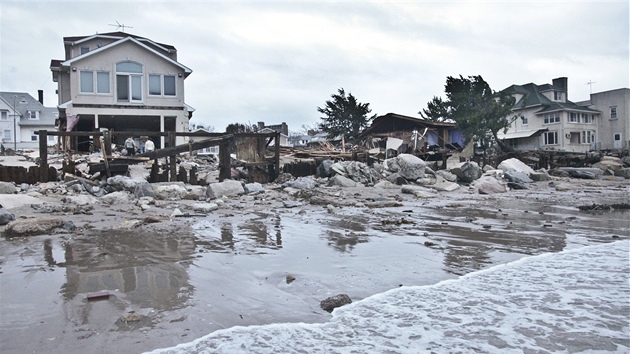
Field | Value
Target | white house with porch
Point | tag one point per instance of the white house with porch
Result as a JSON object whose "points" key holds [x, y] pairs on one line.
{"points": [[547, 120]]}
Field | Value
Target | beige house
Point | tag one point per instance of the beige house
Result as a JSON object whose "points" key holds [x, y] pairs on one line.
{"points": [[614, 125], [121, 82], [547, 120]]}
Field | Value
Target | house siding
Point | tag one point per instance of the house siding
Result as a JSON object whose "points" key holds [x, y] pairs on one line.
{"points": [[608, 126]]}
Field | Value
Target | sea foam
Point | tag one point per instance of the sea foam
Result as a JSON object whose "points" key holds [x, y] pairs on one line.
{"points": [[573, 301]]}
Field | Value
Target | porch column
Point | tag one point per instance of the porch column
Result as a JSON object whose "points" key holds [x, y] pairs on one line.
{"points": [[96, 122], [162, 131]]}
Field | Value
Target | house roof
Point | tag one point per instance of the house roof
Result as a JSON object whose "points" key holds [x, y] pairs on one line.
{"points": [[391, 122], [521, 134], [24, 102], [533, 97], [114, 35], [117, 43]]}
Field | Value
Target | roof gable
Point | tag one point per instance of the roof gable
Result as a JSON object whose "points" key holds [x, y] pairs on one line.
{"points": [[125, 40], [116, 36]]}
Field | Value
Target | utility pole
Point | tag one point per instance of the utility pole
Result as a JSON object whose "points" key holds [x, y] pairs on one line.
{"points": [[14, 124]]}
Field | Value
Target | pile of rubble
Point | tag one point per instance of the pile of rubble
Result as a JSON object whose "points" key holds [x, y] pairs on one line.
{"points": [[406, 173]]}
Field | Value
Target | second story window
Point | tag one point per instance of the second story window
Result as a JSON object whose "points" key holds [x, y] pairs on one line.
{"points": [[4, 115], [84, 50], [574, 117], [89, 78], [128, 82], [551, 118], [613, 112], [162, 85], [32, 114], [587, 118]]}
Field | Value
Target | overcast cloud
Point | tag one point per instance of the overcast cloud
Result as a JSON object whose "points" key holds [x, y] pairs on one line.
{"points": [[278, 61]]}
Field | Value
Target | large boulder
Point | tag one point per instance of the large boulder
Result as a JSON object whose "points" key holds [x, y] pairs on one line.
{"points": [[333, 302], [323, 170], [517, 177], [123, 183], [624, 172], [144, 189], [467, 171], [582, 172], [515, 165], [443, 185], [205, 207], [341, 181], [254, 187], [7, 188], [307, 182], [33, 226], [225, 188], [418, 191], [408, 166], [169, 191], [116, 198], [540, 175], [609, 163], [449, 176], [5, 216], [489, 185]]}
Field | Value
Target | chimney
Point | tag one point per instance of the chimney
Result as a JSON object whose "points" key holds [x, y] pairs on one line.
{"points": [[261, 125], [284, 128], [40, 94], [561, 82]]}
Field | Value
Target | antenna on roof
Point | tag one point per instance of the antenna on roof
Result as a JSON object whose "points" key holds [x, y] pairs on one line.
{"points": [[590, 84], [119, 26]]}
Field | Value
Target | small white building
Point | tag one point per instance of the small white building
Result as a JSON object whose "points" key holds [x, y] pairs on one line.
{"points": [[21, 117]]}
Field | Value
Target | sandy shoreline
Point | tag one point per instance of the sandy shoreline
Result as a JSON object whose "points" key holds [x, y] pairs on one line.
{"points": [[174, 279]]}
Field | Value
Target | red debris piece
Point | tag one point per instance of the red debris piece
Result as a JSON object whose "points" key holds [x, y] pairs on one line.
{"points": [[98, 295]]}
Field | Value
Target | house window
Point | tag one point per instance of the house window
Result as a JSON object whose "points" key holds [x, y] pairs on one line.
{"points": [[84, 50], [32, 114], [6, 135], [550, 138], [4, 115], [525, 120], [159, 85], [34, 136], [588, 137], [88, 80], [155, 86], [551, 118], [102, 82], [169, 85], [587, 118], [128, 82], [613, 112], [51, 138], [557, 96], [574, 117]]}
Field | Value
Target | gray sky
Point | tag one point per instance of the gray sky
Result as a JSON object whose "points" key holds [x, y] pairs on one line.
{"points": [[278, 61]]}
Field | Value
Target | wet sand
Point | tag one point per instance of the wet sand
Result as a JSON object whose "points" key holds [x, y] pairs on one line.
{"points": [[181, 278]]}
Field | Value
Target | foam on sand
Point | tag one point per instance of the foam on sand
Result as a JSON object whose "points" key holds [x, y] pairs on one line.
{"points": [[573, 301]]}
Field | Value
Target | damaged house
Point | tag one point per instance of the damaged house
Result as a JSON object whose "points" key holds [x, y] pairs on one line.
{"points": [[411, 135], [122, 82], [547, 120]]}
